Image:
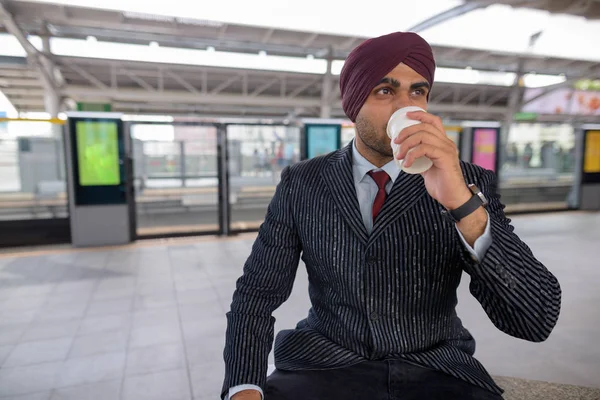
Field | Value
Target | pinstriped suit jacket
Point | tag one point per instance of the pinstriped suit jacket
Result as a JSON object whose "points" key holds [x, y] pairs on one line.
{"points": [[391, 294]]}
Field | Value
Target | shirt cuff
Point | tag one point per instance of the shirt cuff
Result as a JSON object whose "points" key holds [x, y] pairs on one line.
{"points": [[482, 244], [239, 388]]}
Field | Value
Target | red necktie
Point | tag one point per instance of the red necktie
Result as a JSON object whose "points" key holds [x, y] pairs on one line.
{"points": [[381, 178]]}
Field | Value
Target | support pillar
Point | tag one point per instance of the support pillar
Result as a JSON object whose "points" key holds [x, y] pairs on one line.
{"points": [[327, 90]]}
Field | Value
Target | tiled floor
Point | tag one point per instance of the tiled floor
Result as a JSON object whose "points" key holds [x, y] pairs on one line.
{"points": [[147, 321]]}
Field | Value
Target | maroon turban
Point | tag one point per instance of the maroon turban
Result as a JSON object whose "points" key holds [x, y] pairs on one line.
{"points": [[368, 63]]}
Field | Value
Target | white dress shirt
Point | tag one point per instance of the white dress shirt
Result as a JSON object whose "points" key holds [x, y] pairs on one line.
{"points": [[366, 190]]}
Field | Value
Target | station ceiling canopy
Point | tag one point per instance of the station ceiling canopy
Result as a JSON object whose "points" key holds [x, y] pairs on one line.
{"points": [[139, 28], [167, 86]]}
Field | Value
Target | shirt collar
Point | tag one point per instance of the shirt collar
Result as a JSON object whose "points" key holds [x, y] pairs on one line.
{"points": [[360, 166]]}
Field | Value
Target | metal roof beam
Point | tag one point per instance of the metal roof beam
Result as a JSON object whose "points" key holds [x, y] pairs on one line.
{"points": [[264, 87], [84, 92], [496, 98], [224, 85], [51, 76], [267, 35], [222, 31], [302, 88], [445, 94], [182, 82], [18, 91], [18, 82], [469, 97], [349, 44], [138, 80], [88, 76], [311, 38]]}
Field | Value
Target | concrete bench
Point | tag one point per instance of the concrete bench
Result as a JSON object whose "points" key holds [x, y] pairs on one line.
{"points": [[524, 389]]}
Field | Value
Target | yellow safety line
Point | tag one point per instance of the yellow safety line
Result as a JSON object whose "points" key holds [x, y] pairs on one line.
{"points": [[453, 128], [55, 121]]}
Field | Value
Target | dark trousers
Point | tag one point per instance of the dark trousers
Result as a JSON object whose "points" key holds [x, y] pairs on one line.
{"points": [[372, 380]]}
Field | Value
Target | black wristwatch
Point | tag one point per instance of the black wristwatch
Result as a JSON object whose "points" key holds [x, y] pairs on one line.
{"points": [[477, 200]]}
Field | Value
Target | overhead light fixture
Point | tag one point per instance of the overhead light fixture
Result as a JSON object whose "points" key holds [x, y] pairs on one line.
{"points": [[153, 44], [148, 118], [541, 80], [92, 39]]}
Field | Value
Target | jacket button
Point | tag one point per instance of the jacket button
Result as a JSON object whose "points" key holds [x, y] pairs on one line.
{"points": [[374, 316], [371, 261]]}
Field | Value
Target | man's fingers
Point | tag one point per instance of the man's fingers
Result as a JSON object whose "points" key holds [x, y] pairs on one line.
{"points": [[427, 118], [435, 154], [424, 137], [411, 130]]}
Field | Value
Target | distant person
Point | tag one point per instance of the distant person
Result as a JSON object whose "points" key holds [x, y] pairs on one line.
{"points": [[527, 155], [258, 161], [513, 155], [561, 156], [548, 155], [280, 156], [385, 252]]}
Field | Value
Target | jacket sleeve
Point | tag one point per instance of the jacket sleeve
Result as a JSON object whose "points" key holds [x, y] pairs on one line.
{"points": [[521, 297], [266, 283]]}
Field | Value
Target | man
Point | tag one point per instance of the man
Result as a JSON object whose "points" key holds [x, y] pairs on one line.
{"points": [[384, 251]]}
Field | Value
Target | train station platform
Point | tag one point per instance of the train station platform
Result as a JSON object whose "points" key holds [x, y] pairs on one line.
{"points": [[147, 321]]}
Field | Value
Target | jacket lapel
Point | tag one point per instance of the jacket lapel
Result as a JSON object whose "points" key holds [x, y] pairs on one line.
{"points": [[405, 193], [338, 179]]}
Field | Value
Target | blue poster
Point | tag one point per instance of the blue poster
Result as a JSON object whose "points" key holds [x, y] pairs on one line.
{"points": [[322, 139]]}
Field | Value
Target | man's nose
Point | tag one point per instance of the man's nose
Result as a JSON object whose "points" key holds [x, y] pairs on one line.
{"points": [[402, 100]]}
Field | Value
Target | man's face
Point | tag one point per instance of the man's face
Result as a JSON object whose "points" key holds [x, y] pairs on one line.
{"points": [[402, 87]]}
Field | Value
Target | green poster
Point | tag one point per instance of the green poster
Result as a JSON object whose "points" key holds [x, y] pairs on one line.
{"points": [[98, 153]]}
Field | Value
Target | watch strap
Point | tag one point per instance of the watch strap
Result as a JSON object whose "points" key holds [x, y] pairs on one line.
{"points": [[466, 209]]}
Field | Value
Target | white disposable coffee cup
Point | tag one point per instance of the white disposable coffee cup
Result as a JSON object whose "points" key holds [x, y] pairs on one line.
{"points": [[399, 121]]}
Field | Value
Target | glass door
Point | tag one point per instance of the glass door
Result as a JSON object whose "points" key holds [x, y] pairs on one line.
{"points": [[257, 155], [176, 179]]}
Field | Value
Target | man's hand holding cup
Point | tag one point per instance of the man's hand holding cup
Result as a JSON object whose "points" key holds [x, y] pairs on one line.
{"points": [[427, 139]]}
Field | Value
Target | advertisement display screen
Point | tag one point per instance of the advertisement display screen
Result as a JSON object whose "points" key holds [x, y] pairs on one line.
{"points": [[322, 139], [591, 163], [98, 153], [97, 147], [484, 148], [562, 101]]}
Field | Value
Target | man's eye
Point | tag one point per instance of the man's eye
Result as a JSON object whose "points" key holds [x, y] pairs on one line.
{"points": [[420, 92], [385, 91]]}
